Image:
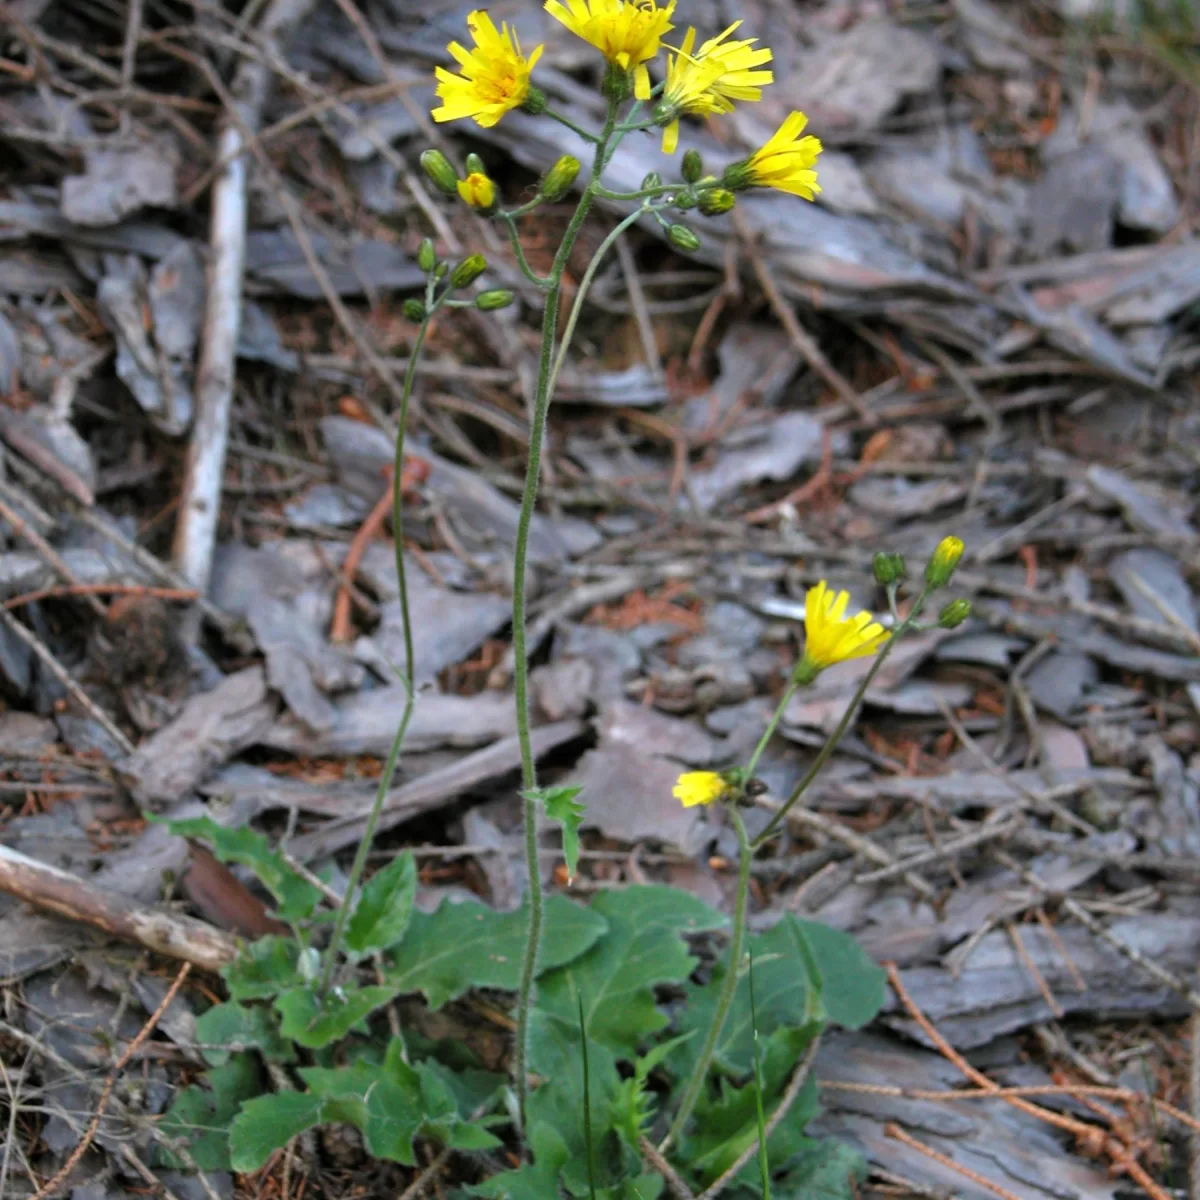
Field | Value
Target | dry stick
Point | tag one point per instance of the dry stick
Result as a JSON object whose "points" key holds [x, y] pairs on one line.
{"points": [[637, 301], [868, 849], [795, 1084], [120, 1065], [1090, 1135], [1194, 1100], [200, 502], [66, 679], [651, 1154], [1031, 967], [101, 589], [950, 849], [23, 529], [1126, 1095], [894, 1131], [169, 933]]}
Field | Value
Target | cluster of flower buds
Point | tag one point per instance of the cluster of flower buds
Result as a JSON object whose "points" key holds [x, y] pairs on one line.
{"points": [[461, 275], [891, 571]]}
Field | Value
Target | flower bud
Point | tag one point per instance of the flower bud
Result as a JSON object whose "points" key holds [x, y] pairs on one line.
{"points": [[682, 238], [684, 201], [692, 166], [469, 270], [716, 201], [889, 568], [557, 181], [440, 170], [942, 562], [954, 614], [478, 192], [427, 256], [652, 180], [535, 101], [496, 298], [439, 272], [474, 165], [414, 310]]}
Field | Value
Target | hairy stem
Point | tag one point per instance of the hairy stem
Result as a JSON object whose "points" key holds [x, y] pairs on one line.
{"points": [[533, 469], [389, 769], [696, 1084], [772, 725]]}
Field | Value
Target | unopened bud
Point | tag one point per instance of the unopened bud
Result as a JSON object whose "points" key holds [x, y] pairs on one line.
{"points": [[954, 614], [414, 310], [889, 568], [942, 562], [692, 166], [496, 298], [716, 201], [652, 180], [474, 165], [468, 270], [427, 255], [682, 238], [535, 101], [439, 272], [440, 170], [557, 181]]}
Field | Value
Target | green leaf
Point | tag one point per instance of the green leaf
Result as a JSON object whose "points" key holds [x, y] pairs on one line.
{"points": [[554, 1056], [539, 1178], [854, 987], [264, 968], [315, 1023], [561, 806], [726, 1124], [295, 897], [468, 945], [268, 1123], [787, 992], [644, 1187], [201, 1114], [634, 1106], [384, 908], [449, 1102], [242, 1028], [643, 949]]}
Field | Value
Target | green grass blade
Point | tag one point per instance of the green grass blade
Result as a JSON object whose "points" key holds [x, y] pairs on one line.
{"points": [[758, 1092], [587, 1102]]}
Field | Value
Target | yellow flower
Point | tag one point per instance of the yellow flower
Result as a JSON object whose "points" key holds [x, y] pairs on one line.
{"points": [[478, 191], [710, 80], [626, 32], [494, 79], [832, 637], [698, 787], [943, 561], [787, 162]]}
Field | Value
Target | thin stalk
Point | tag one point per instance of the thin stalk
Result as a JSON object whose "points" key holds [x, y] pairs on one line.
{"points": [[533, 469], [831, 744], [584, 285], [389, 769], [579, 129], [587, 1101], [696, 1084], [537, 280], [763, 1166], [768, 733]]}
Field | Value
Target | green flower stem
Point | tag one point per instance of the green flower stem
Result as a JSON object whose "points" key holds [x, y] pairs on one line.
{"points": [[768, 733], [537, 280], [831, 744], [663, 189], [579, 129], [696, 1084], [533, 468], [584, 285], [389, 769]]}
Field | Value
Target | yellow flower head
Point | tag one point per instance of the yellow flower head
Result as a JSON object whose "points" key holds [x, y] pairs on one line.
{"points": [[626, 32], [832, 637], [710, 80], [478, 191], [698, 787], [787, 162], [943, 561], [494, 79]]}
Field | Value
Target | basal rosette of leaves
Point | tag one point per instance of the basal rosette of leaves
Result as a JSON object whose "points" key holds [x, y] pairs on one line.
{"points": [[631, 960]]}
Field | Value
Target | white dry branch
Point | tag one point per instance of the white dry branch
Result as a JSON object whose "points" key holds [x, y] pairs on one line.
{"points": [[200, 504]]}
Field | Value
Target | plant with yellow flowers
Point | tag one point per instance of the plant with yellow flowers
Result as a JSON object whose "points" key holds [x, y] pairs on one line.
{"points": [[708, 79]]}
